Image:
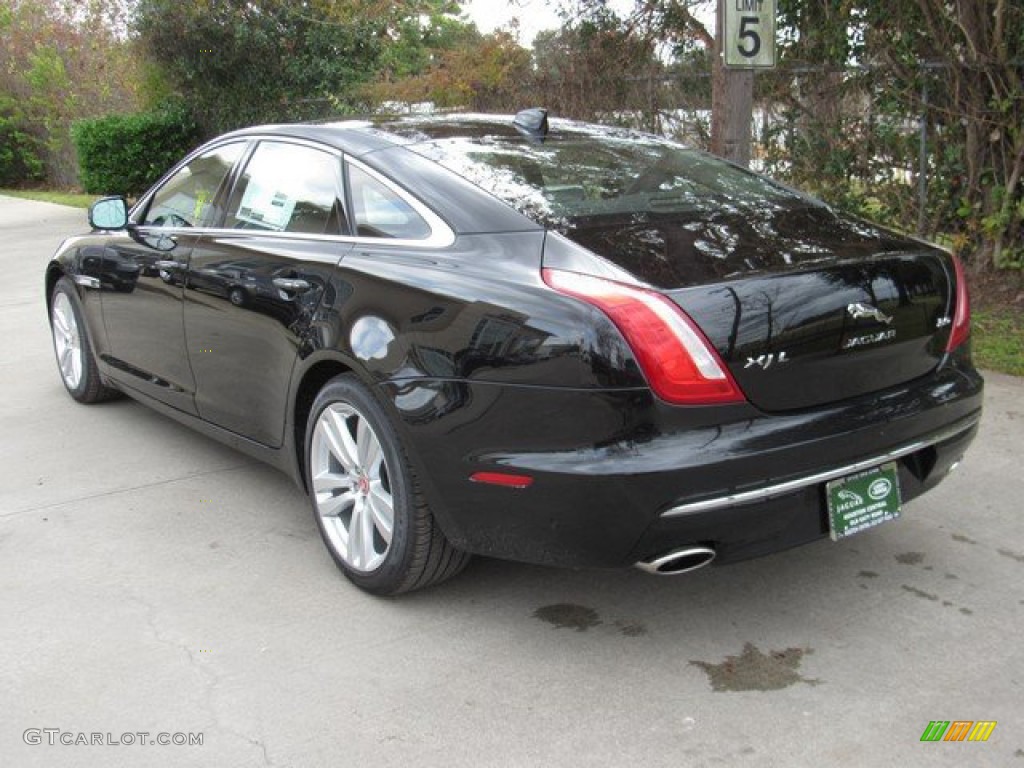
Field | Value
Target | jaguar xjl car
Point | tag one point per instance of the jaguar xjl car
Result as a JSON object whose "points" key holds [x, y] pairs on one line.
{"points": [[545, 341]]}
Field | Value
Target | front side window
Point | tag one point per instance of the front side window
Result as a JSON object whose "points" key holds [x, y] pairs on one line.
{"points": [[379, 211], [287, 188], [186, 199]]}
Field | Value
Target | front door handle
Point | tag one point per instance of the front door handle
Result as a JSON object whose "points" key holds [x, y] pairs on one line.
{"points": [[87, 281], [291, 284]]}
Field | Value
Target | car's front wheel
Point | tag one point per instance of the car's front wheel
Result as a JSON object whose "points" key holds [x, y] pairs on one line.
{"points": [[73, 348], [374, 520]]}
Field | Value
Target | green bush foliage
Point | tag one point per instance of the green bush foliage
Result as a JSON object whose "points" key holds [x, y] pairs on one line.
{"points": [[126, 154], [19, 158]]}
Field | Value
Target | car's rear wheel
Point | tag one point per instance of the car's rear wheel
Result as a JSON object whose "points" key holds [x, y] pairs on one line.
{"points": [[372, 517], [75, 359]]}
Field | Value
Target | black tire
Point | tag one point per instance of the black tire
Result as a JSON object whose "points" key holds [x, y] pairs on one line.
{"points": [[418, 554], [68, 327]]}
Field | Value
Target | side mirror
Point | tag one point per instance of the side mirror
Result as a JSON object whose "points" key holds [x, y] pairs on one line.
{"points": [[109, 213]]}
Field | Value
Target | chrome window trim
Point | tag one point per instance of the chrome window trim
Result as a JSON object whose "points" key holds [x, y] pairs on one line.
{"points": [[780, 489], [441, 235]]}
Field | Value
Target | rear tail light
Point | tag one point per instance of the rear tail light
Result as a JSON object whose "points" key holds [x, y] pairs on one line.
{"points": [[679, 363], [961, 329]]}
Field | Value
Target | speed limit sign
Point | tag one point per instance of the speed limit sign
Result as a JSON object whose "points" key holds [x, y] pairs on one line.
{"points": [[749, 33]]}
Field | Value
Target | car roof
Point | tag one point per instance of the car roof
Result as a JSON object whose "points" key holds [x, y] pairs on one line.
{"points": [[360, 136], [382, 142]]}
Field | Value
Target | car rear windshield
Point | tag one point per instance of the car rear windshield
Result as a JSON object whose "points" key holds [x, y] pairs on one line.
{"points": [[574, 177]]}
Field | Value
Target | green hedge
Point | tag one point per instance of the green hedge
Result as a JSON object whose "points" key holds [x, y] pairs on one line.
{"points": [[19, 156], [125, 154]]}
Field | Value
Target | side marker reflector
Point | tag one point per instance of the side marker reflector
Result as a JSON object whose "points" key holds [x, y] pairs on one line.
{"points": [[502, 479]]}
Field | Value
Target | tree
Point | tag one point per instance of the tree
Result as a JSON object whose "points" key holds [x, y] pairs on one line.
{"points": [[59, 62], [488, 73], [240, 62], [876, 70], [972, 54], [599, 66]]}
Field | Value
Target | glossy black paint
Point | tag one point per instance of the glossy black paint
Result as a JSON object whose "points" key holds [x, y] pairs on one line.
{"points": [[484, 368], [246, 326]]}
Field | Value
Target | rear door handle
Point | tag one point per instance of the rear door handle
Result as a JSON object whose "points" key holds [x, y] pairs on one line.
{"points": [[165, 264], [292, 285]]}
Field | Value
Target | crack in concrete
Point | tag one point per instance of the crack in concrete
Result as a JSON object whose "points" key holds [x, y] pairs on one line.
{"points": [[210, 679]]}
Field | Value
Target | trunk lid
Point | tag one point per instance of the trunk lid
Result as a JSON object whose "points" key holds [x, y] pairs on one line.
{"points": [[805, 307]]}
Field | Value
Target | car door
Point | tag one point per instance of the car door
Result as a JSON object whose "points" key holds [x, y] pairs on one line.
{"points": [[254, 282], [143, 316]]}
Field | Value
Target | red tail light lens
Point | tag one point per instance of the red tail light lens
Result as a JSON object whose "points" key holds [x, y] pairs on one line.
{"points": [[961, 329], [679, 363]]}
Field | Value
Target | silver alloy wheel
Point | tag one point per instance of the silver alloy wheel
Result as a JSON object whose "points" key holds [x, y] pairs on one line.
{"points": [[67, 340], [352, 487]]}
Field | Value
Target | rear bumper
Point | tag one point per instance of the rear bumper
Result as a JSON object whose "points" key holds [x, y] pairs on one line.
{"points": [[781, 515], [621, 477]]}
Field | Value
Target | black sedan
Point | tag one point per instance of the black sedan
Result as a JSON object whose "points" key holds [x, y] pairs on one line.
{"points": [[546, 341]]}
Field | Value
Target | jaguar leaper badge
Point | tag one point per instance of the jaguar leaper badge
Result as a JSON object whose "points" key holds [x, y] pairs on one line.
{"points": [[859, 311]]}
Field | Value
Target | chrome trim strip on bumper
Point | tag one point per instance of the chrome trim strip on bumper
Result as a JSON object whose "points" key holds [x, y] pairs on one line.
{"points": [[780, 489]]}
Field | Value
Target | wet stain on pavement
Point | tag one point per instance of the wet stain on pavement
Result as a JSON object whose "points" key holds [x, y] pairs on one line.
{"points": [[1019, 753], [920, 593], [631, 628], [868, 575], [753, 670], [581, 618], [568, 616], [910, 558], [963, 539], [1011, 554], [935, 598]]}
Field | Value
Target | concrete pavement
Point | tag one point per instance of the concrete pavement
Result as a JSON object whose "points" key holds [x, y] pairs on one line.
{"points": [[154, 581]]}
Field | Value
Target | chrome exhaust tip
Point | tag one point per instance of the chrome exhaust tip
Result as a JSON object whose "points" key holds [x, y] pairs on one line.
{"points": [[678, 561]]}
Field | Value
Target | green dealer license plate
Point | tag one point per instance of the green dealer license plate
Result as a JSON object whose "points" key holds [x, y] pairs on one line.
{"points": [[863, 500]]}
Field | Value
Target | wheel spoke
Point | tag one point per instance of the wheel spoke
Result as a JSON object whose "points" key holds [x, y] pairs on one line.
{"points": [[60, 321], [332, 506], [366, 442], [367, 552], [340, 439], [382, 510], [356, 545], [76, 368], [330, 430], [328, 481]]}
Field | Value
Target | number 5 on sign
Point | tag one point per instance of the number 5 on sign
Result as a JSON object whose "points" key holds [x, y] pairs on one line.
{"points": [[749, 33]]}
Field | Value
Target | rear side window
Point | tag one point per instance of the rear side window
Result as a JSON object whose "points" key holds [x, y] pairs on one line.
{"points": [[379, 211], [287, 188], [186, 199]]}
